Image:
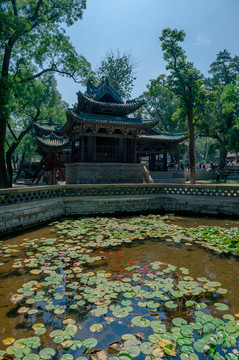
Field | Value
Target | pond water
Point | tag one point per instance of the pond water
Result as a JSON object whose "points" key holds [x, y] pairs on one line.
{"points": [[121, 288]]}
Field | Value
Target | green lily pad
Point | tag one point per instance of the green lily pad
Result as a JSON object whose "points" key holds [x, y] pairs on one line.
{"points": [[47, 353], [96, 327], [191, 356], [187, 349], [179, 321], [90, 343], [169, 349], [140, 321], [228, 317], [31, 357], [120, 313], [146, 348], [67, 357], [221, 306], [132, 350], [170, 304]]}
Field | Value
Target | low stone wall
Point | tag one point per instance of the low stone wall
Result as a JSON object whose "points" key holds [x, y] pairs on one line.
{"points": [[18, 217], [161, 203], [104, 173], [173, 176], [26, 207]]}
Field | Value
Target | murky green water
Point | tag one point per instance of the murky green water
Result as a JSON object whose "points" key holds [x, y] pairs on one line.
{"points": [[133, 261]]}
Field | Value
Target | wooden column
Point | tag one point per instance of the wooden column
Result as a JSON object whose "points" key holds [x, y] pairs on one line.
{"points": [[152, 162], [82, 149], [135, 154], [165, 165], [72, 151], [94, 150], [124, 150]]}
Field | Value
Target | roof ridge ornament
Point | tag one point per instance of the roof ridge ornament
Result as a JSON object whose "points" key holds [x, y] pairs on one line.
{"points": [[51, 122], [103, 89]]}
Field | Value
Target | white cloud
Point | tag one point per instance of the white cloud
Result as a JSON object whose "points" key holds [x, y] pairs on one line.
{"points": [[202, 40]]}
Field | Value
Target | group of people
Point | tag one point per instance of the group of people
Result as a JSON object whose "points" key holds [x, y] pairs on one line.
{"points": [[221, 174], [201, 165], [176, 166]]}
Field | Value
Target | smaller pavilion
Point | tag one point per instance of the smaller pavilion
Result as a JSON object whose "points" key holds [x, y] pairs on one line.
{"points": [[154, 143], [49, 144]]}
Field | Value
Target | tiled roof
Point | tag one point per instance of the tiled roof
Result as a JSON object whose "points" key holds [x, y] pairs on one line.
{"points": [[85, 104], [160, 136], [48, 126], [111, 120], [52, 141], [104, 88]]}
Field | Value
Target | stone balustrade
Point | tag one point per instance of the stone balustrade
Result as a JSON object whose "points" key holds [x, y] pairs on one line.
{"points": [[38, 193]]}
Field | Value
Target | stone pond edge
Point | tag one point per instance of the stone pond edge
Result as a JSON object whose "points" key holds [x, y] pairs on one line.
{"points": [[27, 207]]}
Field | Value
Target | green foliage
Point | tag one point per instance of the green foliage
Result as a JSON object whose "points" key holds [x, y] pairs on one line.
{"points": [[185, 81], [119, 67], [162, 104], [220, 120], [224, 69], [39, 94], [36, 37], [206, 148], [33, 42], [34, 101]]}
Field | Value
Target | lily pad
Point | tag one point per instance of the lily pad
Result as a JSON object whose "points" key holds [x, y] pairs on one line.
{"points": [[221, 306], [140, 321], [96, 327], [47, 353]]}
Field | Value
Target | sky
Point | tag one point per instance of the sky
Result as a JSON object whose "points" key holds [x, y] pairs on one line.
{"points": [[135, 26]]}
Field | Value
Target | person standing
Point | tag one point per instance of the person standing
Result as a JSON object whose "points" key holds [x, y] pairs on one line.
{"points": [[225, 174], [218, 173]]}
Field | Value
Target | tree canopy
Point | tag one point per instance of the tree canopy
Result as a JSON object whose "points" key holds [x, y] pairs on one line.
{"points": [[33, 42], [36, 101], [119, 67], [221, 112], [185, 81], [162, 104]]}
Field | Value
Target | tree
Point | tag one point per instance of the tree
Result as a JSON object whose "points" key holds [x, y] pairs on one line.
{"points": [[185, 81], [162, 104], [227, 121], [221, 112], [224, 69], [33, 102], [119, 67], [31, 32]]}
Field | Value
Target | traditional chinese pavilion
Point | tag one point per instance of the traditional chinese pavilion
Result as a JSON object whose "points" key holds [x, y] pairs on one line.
{"points": [[49, 144], [107, 140]]}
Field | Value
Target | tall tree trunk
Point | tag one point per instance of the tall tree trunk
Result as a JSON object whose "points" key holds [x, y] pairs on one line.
{"points": [[21, 165], [191, 146], [3, 171], [13, 147], [222, 158], [4, 109], [9, 167]]}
